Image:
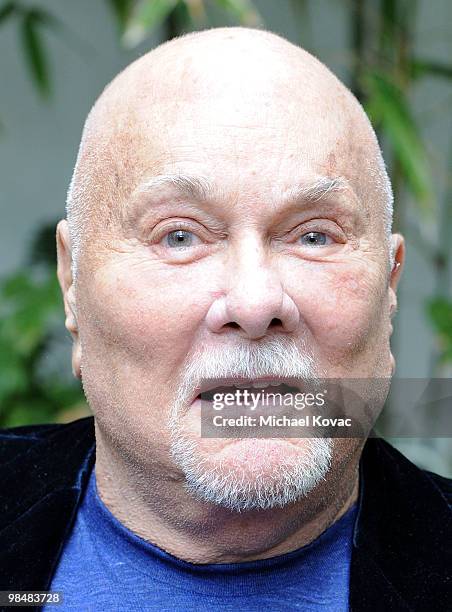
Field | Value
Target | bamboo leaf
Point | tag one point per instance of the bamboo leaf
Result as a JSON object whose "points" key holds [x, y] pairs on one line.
{"points": [[196, 10], [34, 51], [389, 110], [59, 28], [243, 11], [439, 311], [13, 377], [147, 15], [7, 10], [420, 68], [45, 18], [27, 308], [122, 10]]}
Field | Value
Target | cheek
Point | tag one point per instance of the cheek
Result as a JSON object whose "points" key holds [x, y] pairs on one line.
{"points": [[343, 309], [137, 327], [144, 314]]}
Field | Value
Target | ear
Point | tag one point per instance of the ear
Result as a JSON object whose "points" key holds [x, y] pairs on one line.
{"points": [[64, 273], [398, 253], [398, 256]]}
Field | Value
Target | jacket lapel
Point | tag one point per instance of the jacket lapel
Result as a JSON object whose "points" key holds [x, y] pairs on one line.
{"points": [[400, 546], [41, 488]]}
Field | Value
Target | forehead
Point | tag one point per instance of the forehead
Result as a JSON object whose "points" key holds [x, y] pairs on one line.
{"points": [[232, 98], [257, 141], [248, 128]]}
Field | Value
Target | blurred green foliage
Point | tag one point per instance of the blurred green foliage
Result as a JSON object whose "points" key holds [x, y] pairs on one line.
{"points": [[138, 19], [33, 22], [439, 311], [31, 315], [383, 69], [30, 306], [389, 110]]}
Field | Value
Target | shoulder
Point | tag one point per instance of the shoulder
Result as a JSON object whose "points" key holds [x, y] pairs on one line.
{"points": [[395, 462], [402, 553], [441, 483], [43, 470], [390, 475], [38, 461]]}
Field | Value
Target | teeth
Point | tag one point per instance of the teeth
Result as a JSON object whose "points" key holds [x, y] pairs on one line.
{"points": [[258, 384]]}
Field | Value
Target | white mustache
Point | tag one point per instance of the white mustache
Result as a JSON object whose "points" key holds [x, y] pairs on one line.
{"points": [[279, 357]]}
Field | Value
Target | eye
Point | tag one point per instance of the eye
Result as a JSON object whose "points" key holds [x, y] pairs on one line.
{"points": [[315, 239], [179, 239]]}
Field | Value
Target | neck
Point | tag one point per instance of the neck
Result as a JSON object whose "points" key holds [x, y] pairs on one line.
{"points": [[157, 508]]}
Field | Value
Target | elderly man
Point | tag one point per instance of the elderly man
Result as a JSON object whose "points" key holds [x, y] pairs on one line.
{"points": [[229, 218]]}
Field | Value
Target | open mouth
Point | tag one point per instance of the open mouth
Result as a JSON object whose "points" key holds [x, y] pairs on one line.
{"points": [[262, 387]]}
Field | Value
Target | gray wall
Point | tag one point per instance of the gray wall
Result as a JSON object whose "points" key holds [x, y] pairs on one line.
{"points": [[39, 141]]}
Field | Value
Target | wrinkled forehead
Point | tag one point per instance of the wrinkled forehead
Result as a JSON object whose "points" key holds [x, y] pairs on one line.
{"points": [[241, 119]]}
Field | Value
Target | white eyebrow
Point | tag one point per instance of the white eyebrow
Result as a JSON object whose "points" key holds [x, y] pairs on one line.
{"points": [[200, 188], [316, 190]]}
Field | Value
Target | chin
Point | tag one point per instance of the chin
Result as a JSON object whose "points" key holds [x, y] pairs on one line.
{"points": [[249, 473]]}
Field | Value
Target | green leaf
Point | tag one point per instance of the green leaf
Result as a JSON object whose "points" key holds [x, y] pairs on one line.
{"points": [[195, 10], [31, 307], [122, 10], [68, 36], [8, 9], [43, 17], [16, 286], [28, 308], [243, 11], [34, 50], [66, 395], [389, 110], [147, 15], [439, 311], [13, 378], [28, 412], [420, 68]]}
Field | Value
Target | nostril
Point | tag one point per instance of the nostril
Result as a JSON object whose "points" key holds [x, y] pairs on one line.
{"points": [[276, 322], [233, 324]]}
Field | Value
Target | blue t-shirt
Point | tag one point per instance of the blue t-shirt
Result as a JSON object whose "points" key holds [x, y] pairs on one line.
{"points": [[106, 567]]}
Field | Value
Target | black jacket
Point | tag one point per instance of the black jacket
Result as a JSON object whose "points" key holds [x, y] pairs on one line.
{"points": [[402, 545]]}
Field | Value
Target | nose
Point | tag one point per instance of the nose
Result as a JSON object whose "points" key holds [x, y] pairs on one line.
{"points": [[255, 300]]}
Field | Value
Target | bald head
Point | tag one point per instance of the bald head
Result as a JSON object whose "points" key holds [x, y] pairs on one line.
{"points": [[232, 96]]}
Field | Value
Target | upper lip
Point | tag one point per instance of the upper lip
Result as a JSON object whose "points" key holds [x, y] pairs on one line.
{"points": [[210, 384]]}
